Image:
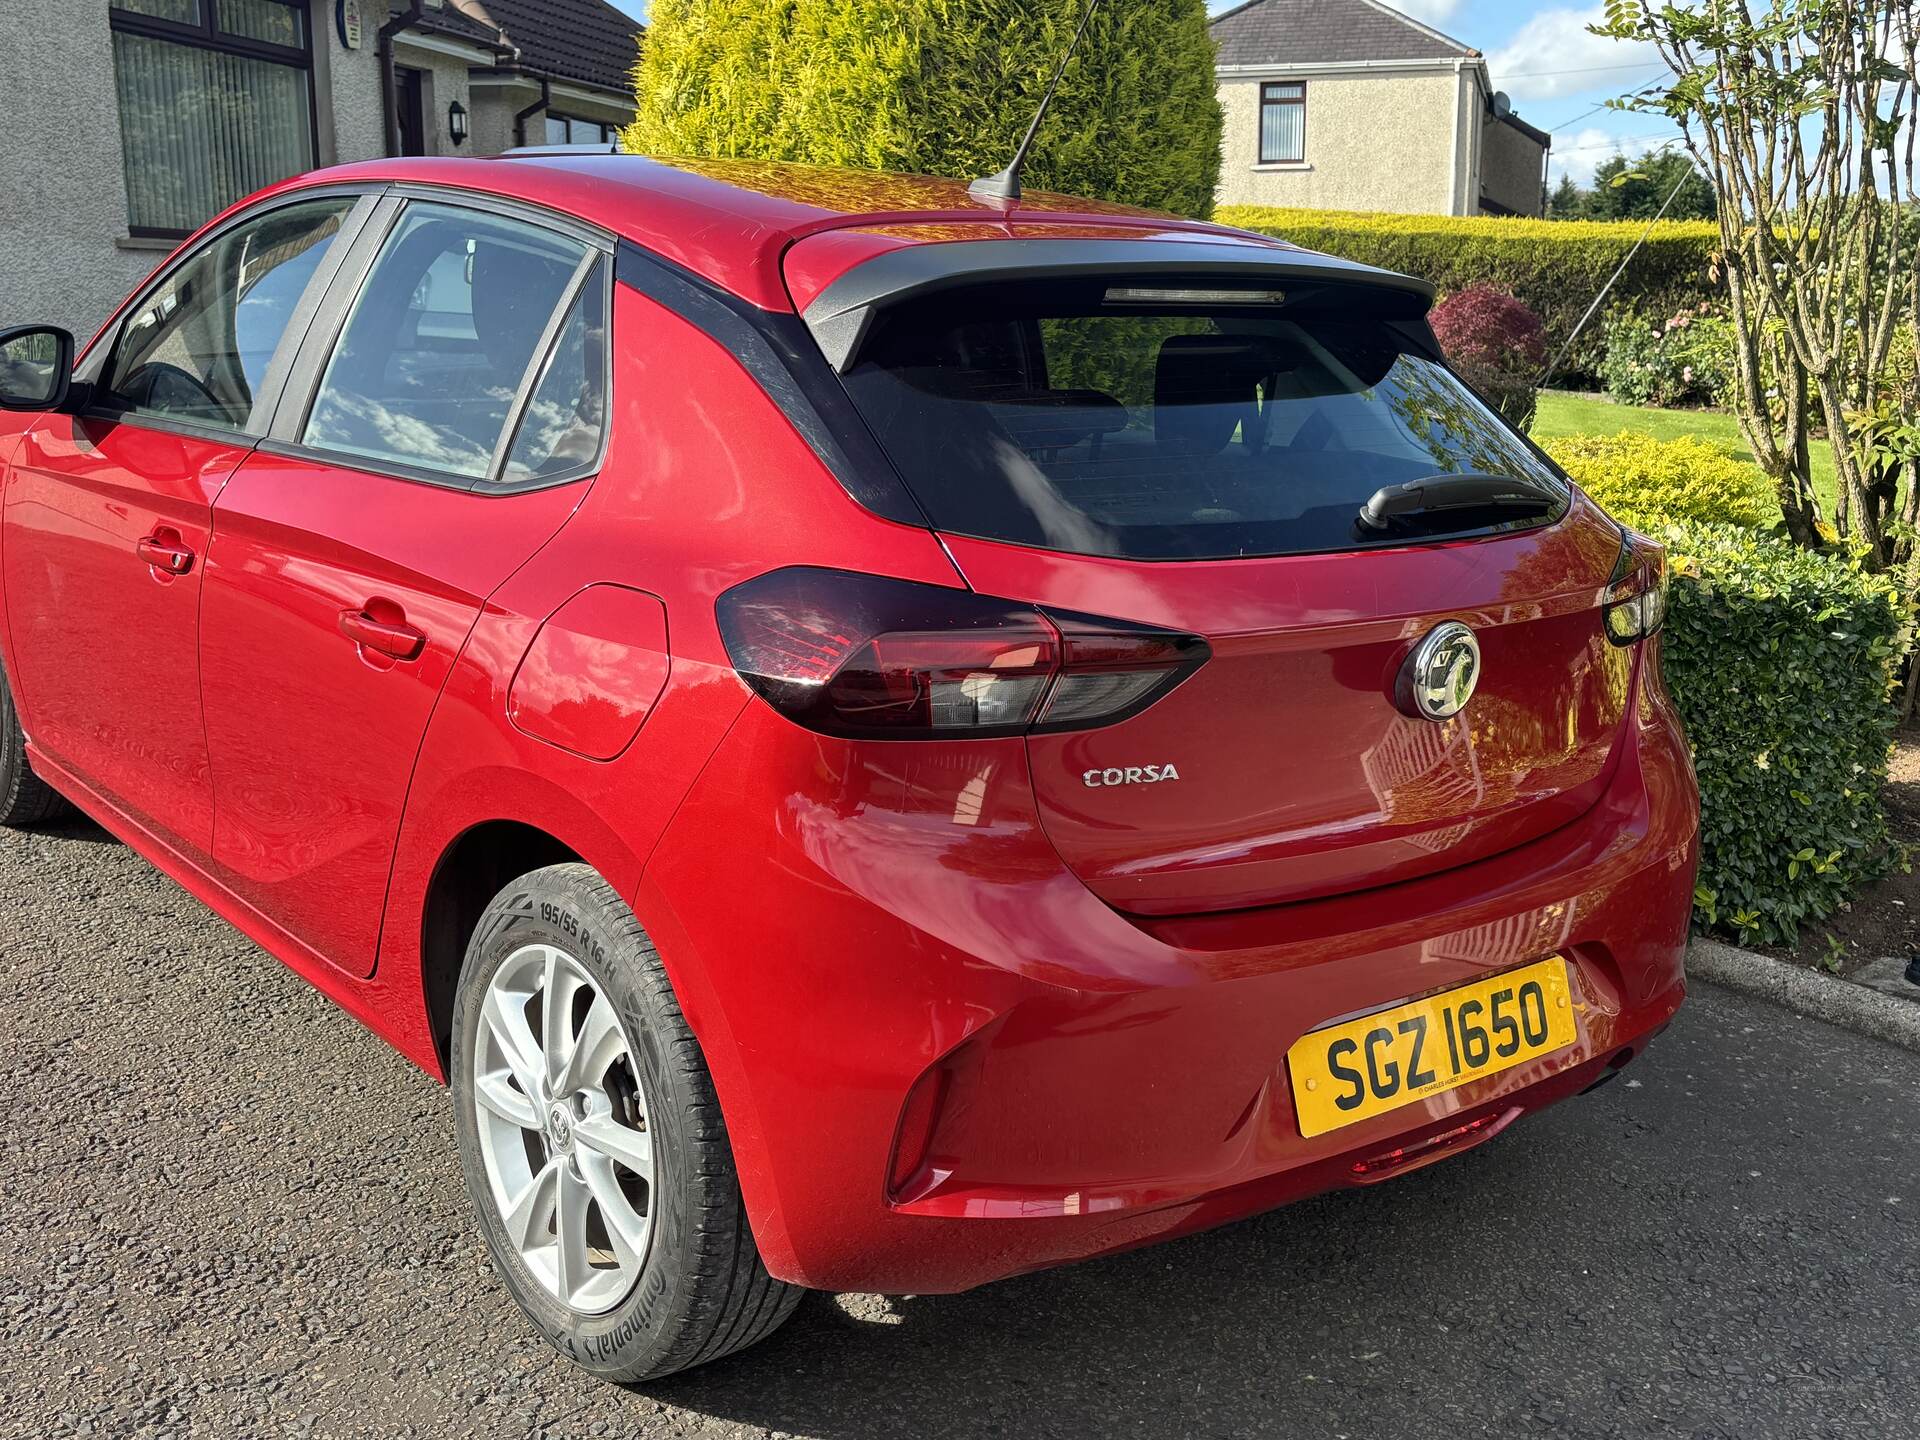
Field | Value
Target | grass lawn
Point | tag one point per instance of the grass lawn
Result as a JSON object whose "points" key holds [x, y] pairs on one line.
{"points": [[1566, 412]]}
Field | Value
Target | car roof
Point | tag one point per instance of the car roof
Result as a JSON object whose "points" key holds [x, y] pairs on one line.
{"points": [[732, 221]]}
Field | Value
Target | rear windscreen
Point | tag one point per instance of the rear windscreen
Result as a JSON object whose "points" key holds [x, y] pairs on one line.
{"points": [[1151, 423]]}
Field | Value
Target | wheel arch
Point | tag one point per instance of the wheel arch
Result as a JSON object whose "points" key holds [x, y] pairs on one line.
{"points": [[480, 862]]}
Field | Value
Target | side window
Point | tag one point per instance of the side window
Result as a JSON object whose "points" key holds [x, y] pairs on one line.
{"points": [[197, 347], [561, 427], [441, 339]]}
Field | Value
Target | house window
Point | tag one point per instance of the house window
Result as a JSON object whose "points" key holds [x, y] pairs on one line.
{"points": [[1283, 123], [570, 130], [216, 101]]}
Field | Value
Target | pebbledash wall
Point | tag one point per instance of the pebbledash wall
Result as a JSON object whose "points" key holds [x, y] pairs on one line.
{"points": [[65, 255], [1414, 137]]}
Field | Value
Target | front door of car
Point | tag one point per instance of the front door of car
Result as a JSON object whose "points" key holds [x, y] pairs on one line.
{"points": [[454, 395], [108, 513]]}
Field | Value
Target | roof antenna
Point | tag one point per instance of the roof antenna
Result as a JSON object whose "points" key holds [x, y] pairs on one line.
{"points": [[1006, 185]]}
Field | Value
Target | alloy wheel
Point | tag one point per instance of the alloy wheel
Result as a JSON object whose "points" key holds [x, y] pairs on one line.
{"points": [[563, 1128]]}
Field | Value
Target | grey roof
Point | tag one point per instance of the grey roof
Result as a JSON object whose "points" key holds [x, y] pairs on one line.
{"points": [[1324, 32], [584, 40], [587, 41]]}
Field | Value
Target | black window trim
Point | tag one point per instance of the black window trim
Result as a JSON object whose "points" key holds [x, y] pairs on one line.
{"points": [[308, 369], [92, 367], [1260, 137], [609, 129], [208, 36]]}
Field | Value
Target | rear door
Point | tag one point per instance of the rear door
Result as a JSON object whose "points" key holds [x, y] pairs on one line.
{"points": [[1196, 457], [108, 514], [440, 427]]}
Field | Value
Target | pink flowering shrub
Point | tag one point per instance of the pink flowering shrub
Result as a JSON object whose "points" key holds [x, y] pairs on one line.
{"points": [[1687, 359], [1496, 344]]}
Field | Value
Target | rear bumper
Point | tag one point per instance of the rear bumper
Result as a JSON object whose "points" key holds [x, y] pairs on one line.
{"points": [[855, 932]]}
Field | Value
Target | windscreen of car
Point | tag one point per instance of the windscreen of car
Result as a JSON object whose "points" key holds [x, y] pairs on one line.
{"points": [[1144, 422]]}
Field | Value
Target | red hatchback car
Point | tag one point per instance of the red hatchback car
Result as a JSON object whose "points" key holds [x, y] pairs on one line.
{"points": [[878, 740]]}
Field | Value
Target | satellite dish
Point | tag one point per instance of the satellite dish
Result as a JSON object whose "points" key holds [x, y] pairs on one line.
{"points": [[1502, 105]]}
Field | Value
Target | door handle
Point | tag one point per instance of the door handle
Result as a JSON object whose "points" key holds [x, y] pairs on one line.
{"points": [[393, 638], [165, 552]]}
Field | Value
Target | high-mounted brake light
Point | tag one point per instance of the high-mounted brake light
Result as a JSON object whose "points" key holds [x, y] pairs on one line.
{"points": [[1636, 600], [1156, 295], [863, 656]]}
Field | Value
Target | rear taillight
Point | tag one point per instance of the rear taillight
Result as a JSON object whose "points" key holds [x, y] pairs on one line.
{"points": [[863, 656], [1636, 599]]}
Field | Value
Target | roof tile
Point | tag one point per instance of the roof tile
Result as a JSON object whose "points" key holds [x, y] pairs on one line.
{"points": [[587, 41], [1323, 32]]}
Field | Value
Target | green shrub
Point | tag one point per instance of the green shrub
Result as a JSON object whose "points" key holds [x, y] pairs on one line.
{"points": [[1780, 660], [1555, 266], [1687, 360], [940, 87], [1645, 483]]}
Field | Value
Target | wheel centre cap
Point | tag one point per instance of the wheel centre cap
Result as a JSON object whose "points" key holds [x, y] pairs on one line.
{"points": [[560, 1128]]}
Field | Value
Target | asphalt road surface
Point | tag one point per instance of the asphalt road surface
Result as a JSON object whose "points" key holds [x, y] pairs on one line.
{"points": [[226, 1210]]}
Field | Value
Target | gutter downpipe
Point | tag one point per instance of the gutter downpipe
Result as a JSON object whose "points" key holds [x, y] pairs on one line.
{"points": [[1454, 179], [389, 82], [520, 118]]}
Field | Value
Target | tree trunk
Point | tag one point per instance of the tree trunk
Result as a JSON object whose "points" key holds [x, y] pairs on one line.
{"points": [[1862, 515]]}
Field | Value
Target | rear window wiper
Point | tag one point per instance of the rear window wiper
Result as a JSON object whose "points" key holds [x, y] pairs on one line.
{"points": [[1452, 502]]}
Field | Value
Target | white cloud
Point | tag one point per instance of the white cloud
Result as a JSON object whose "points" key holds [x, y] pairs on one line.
{"points": [[1430, 12], [1553, 55], [1579, 152]]}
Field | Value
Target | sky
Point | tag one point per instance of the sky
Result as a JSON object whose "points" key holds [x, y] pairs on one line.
{"points": [[1559, 77]]}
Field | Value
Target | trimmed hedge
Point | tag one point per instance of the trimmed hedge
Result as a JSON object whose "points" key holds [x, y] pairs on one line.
{"points": [[1781, 661], [1644, 482], [1555, 266]]}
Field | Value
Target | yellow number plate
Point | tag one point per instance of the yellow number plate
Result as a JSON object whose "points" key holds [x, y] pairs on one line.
{"points": [[1363, 1067]]}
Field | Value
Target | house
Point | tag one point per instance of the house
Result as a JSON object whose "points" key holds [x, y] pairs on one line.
{"points": [[1350, 105], [130, 122]]}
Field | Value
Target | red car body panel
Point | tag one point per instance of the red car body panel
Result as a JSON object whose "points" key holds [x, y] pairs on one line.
{"points": [[105, 649], [1101, 1009], [1110, 1081], [313, 736], [1303, 648]]}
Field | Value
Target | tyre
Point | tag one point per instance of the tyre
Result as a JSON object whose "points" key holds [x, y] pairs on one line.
{"points": [[25, 799], [592, 1141]]}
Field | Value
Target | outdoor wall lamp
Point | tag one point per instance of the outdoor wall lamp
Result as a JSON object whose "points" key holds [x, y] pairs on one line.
{"points": [[457, 123]]}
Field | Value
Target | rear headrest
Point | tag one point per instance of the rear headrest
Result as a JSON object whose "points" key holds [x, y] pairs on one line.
{"points": [[513, 297], [1204, 387]]}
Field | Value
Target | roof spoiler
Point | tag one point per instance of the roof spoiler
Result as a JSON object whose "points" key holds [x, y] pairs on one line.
{"points": [[841, 314]]}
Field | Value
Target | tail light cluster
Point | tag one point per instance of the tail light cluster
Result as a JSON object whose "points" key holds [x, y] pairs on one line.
{"points": [[865, 657], [1636, 600]]}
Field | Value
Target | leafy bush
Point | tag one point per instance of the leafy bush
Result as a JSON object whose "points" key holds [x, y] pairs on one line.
{"points": [[1780, 660], [1497, 345], [1555, 267], [940, 87], [1688, 360], [1645, 483]]}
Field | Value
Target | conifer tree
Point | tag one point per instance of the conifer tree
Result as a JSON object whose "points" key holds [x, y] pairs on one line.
{"points": [[941, 87]]}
